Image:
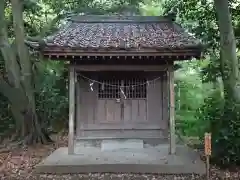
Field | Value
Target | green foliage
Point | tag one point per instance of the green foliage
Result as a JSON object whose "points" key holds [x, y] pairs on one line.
{"points": [[51, 99], [152, 8], [223, 121], [227, 145], [189, 96], [51, 94], [6, 121], [199, 18], [218, 114], [92, 6], [210, 113]]}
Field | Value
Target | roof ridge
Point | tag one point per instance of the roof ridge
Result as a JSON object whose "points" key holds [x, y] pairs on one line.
{"points": [[118, 19]]}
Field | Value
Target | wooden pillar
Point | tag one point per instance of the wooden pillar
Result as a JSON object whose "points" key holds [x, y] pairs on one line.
{"points": [[71, 97], [172, 149]]}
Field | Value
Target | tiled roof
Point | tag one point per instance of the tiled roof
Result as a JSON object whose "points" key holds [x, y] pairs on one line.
{"points": [[125, 33]]}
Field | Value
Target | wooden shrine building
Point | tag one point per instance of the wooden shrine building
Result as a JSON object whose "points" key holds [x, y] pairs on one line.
{"points": [[121, 75]]}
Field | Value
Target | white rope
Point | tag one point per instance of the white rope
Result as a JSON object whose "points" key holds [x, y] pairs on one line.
{"points": [[91, 86], [112, 85], [123, 93]]}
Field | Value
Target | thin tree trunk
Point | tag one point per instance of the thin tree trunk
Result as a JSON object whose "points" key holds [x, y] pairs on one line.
{"points": [[229, 61]]}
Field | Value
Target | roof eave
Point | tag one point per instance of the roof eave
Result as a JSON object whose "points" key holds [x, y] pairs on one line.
{"points": [[183, 55], [56, 51]]}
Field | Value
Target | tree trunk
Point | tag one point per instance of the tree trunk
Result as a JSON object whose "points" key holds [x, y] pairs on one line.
{"points": [[229, 61], [11, 65], [18, 87]]}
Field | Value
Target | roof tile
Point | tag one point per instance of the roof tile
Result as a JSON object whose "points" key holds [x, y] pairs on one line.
{"points": [[121, 33]]}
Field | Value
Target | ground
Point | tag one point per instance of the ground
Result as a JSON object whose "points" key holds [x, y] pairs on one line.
{"points": [[19, 163]]}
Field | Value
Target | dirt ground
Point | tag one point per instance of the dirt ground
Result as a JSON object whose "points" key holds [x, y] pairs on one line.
{"points": [[19, 163]]}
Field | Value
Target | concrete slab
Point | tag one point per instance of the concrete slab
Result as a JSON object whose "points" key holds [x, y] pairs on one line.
{"points": [[113, 145], [144, 160]]}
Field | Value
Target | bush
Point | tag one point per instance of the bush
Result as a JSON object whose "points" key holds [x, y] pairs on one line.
{"points": [[222, 119], [51, 94], [6, 121], [186, 123]]}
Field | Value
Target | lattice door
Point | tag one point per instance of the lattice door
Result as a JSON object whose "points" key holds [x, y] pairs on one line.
{"points": [[105, 91], [127, 89], [135, 88], [122, 100]]}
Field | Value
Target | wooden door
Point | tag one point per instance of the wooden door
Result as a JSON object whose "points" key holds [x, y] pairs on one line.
{"points": [[123, 102], [109, 102], [135, 104]]}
